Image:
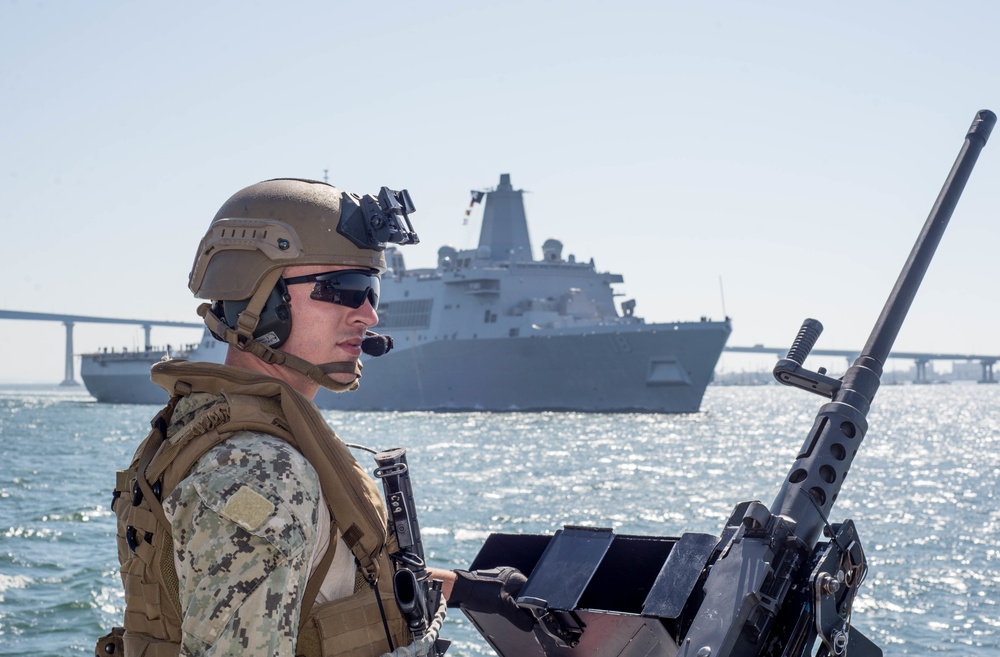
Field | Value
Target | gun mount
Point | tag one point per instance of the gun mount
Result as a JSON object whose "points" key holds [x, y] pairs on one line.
{"points": [[766, 585]]}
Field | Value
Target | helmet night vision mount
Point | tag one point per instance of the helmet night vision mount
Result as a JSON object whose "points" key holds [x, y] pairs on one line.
{"points": [[371, 223]]}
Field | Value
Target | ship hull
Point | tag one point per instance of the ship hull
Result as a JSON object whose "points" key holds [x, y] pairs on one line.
{"points": [[122, 378], [661, 368], [652, 368]]}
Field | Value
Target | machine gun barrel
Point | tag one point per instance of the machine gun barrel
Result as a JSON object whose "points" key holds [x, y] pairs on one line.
{"points": [[887, 327], [815, 479]]}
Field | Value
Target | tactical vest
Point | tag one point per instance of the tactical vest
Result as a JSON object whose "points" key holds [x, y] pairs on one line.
{"points": [[351, 627]]}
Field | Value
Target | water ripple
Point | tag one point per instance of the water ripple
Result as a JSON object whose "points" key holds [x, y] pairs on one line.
{"points": [[923, 490]]}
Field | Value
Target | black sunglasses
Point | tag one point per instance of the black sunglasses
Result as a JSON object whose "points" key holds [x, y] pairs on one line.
{"points": [[347, 287]]}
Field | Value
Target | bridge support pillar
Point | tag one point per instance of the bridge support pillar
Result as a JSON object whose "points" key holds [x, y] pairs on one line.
{"points": [[147, 328], [70, 376], [987, 371], [920, 371]]}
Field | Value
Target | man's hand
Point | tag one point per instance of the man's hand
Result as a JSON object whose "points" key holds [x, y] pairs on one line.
{"points": [[492, 591]]}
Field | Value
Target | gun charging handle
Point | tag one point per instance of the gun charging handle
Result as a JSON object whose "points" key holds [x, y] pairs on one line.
{"points": [[790, 371]]}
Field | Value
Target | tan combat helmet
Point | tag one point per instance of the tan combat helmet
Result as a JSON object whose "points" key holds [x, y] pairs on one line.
{"points": [[277, 223]]}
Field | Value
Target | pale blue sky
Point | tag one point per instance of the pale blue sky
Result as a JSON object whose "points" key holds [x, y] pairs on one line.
{"points": [[791, 149]]}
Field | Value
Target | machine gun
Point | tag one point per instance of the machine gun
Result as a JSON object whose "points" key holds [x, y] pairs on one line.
{"points": [[767, 586]]}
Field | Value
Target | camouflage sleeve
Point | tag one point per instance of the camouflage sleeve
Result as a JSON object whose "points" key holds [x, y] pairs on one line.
{"points": [[243, 520]]}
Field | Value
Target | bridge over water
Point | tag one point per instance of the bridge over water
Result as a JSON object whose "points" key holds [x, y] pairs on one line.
{"points": [[70, 320], [919, 359]]}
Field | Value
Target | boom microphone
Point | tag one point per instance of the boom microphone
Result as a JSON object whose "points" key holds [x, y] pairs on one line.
{"points": [[376, 345]]}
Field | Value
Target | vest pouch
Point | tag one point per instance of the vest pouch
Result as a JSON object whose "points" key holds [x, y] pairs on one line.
{"points": [[145, 551], [151, 604], [352, 627], [142, 645]]}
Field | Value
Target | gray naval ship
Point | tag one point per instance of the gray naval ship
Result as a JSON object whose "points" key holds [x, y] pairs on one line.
{"points": [[493, 329]]}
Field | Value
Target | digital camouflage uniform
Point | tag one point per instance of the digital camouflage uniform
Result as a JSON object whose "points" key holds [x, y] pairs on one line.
{"points": [[244, 566]]}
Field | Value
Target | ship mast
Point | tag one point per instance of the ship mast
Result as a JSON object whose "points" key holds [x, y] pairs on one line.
{"points": [[505, 228]]}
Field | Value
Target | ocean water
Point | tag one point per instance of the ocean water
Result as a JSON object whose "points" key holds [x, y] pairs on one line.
{"points": [[923, 491]]}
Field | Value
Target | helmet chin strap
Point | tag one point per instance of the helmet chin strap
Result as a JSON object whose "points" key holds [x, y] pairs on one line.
{"points": [[319, 374], [242, 338]]}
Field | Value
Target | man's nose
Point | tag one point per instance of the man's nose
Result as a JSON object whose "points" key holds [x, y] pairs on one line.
{"points": [[366, 313]]}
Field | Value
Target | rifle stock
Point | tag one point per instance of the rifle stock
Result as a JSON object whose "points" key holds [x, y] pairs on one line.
{"points": [[767, 586]]}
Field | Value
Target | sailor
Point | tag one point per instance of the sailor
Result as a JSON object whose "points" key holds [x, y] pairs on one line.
{"points": [[245, 526]]}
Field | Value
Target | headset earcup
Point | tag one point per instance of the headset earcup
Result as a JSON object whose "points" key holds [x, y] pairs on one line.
{"points": [[275, 323]]}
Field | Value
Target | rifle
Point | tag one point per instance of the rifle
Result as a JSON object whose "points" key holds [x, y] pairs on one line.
{"points": [[418, 598], [767, 586]]}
